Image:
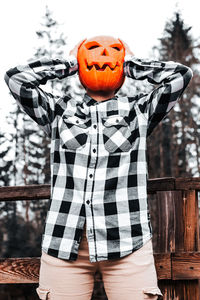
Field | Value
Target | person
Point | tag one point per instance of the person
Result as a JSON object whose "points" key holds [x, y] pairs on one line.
{"points": [[98, 217]]}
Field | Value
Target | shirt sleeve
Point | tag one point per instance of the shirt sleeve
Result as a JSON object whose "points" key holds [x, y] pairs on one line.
{"points": [[173, 79], [24, 84]]}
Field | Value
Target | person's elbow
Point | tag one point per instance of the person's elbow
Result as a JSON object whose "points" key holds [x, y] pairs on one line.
{"points": [[6, 77], [187, 73], [10, 73]]}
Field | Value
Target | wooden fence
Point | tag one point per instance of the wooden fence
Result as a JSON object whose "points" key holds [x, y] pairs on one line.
{"points": [[173, 204]]}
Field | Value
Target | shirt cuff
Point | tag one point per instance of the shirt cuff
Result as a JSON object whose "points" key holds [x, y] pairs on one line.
{"points": [[72, 60], [73, 64]]}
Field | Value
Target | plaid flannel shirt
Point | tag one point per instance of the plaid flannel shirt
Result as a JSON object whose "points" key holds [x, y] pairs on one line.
{"points": [[98, 154]]}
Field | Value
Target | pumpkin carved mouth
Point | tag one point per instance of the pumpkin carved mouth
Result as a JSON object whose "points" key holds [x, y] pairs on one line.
{"points": [[102, 67]]}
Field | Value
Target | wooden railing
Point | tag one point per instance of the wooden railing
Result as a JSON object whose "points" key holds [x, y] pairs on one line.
{"points": [[173, 204]]}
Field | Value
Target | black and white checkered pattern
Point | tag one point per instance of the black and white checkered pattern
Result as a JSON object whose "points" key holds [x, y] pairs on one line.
{"points": [[98, 155]]}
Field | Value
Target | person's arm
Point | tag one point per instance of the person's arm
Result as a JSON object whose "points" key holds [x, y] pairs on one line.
{"points": [[172, 77], [24, 81]]}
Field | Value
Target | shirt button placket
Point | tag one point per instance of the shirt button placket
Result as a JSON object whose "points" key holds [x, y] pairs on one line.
{"points": [[89, 192], [94, 149]]}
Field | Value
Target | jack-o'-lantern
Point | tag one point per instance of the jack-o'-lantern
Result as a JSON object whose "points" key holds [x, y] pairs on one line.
{"points": [[100, 62]]}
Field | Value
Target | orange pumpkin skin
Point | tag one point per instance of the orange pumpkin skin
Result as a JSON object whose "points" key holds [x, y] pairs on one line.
{"points": [[100, 62]]}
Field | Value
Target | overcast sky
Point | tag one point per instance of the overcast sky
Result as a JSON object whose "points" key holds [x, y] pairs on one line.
{"points": [[140, 23]]}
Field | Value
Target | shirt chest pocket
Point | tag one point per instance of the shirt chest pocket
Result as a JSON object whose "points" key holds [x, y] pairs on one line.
{"points": [[116, 134], [73, 131]]}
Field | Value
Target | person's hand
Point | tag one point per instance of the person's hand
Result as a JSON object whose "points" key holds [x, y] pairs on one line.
{"points": [[74, 51], [126, 47]]}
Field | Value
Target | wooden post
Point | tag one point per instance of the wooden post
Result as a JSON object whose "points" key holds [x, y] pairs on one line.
{"points": [[175, 222], [186, 240], [162, 210]]}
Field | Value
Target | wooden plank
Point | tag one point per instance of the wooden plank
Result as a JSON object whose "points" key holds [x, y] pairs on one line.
{"points": [[187, 239], [19, 270], [181, 290], [27, 192], [161, 184], [26, 270], [163, 265], [42, 191], [192, 183], [191, 221], [186, 266], [164, 225], [179, 221]]}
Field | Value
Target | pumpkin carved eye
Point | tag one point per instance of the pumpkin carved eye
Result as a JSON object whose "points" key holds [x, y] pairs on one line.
{"points": [[116, 48], [93, 47]]}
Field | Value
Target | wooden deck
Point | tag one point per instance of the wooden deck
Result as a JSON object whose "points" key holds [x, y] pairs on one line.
{"points": [[173, 204]]}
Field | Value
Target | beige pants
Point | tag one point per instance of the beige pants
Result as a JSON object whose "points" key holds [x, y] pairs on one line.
{"points": [[132, 277]]}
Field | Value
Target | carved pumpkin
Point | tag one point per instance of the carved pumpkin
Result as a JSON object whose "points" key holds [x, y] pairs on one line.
{"points": [[100, 62]]}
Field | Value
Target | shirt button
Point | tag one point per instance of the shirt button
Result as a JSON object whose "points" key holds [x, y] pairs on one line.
{"points": [[95, 126], [90, 175], [94, 150], [88, 201]]}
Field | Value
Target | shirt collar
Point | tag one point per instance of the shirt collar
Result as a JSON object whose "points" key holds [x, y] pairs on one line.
{"points": [[90, 101]]}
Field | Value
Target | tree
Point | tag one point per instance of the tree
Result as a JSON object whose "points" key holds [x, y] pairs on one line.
{"points": [[173, 148], [5, 165]]}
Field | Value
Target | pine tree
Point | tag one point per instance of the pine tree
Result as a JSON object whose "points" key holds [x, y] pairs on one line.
{"points": [[173, 148], [5, 164]]}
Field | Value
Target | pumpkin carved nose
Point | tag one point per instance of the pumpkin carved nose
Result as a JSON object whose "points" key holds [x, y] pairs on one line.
{"points": [[104, 53]]}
